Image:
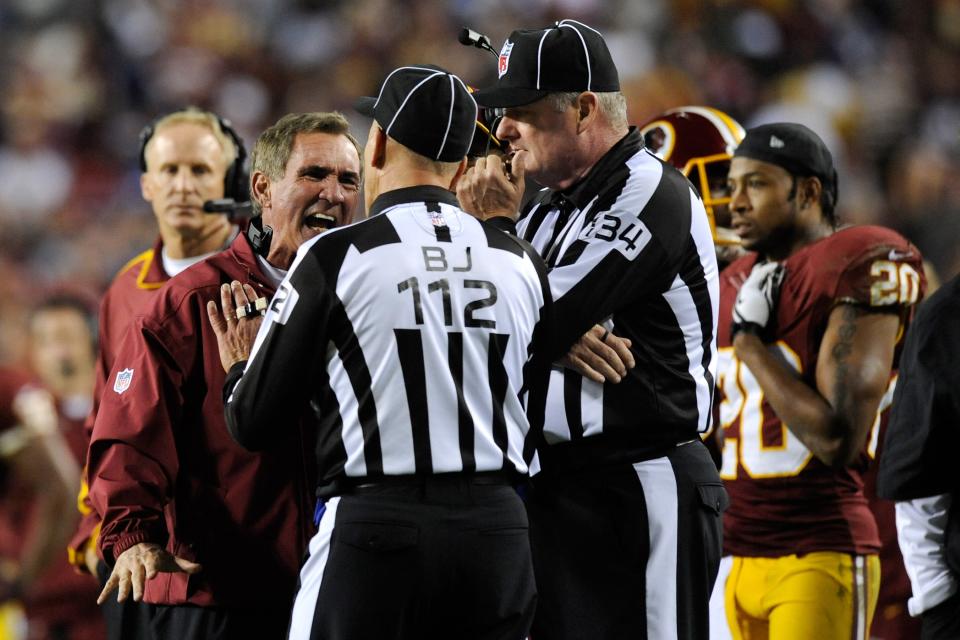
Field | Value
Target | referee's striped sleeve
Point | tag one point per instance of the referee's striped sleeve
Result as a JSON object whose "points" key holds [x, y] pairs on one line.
{"points": [[278, 378], [631, 246]]}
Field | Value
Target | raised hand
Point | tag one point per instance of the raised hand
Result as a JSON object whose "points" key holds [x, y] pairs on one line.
{"points": [[757, 300]]}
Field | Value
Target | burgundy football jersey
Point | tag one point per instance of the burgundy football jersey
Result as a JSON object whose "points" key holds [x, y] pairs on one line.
{"points": [[783, 499]]}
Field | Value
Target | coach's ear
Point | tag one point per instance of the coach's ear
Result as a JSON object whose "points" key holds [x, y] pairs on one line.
{"points": [[260, 189], [461, 169]]}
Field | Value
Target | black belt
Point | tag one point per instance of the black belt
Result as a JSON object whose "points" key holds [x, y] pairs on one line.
{"points": [[348, 485]]}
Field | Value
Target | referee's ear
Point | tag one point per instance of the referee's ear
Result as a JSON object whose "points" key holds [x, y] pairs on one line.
{"points": [[461, 169], [379, 155], [588, 108]]}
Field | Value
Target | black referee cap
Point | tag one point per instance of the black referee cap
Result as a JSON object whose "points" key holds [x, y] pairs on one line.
{"points": [[793, 147], [566, 56], [426, 109]]}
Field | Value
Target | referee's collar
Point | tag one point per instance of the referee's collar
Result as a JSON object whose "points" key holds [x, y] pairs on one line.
{"points": [[583, 191], [421, 193]]}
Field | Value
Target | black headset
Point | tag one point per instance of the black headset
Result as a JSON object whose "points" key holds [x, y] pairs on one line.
{"points": [[236, 183]]}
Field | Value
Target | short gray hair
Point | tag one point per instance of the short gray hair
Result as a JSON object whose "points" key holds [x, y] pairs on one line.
{"points": [[274, 146], [198, 116], [612, 104]]}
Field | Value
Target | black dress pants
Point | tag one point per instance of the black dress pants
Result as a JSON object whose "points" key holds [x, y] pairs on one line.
{"points": [[439, 558], [627, 551], [131, 620]]}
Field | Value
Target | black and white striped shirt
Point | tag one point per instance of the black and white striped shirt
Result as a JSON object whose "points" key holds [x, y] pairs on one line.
{"points": [[629, 247], [410, 333]]}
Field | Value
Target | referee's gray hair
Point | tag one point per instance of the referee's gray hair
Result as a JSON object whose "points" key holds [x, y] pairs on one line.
{"points": [[274, 146], [612, 104]]}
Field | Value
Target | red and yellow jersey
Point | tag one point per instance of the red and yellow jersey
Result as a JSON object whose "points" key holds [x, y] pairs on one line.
{"points": [[783, 499], [131, 292], [129, 295]]}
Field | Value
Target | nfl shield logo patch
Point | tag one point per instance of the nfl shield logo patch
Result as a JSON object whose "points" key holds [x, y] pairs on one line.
{"points": [[504, 60], [436, 217], [122, 383]]}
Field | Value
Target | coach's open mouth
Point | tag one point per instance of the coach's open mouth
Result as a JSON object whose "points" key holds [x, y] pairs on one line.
{"points": [[320, 221]]}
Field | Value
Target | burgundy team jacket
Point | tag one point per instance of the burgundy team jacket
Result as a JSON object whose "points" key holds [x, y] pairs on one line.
{"points": [[162, 467], [129, 295]]}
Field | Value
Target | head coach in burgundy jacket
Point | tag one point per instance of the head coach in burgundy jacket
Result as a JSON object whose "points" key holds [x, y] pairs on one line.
{"points": [[210, 534]]}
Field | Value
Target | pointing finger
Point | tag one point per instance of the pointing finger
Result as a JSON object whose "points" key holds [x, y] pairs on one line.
{"points": [[108, 587]]}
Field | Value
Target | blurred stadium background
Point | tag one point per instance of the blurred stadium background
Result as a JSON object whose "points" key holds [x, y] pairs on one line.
{"points": [[880, 81]]}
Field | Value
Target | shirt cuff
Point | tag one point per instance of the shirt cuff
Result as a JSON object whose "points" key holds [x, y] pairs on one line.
{"points": [[128, 540], [921, 525], [233, 377]]}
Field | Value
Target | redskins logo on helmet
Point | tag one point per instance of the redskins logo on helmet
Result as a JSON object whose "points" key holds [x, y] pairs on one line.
{"points": [[699, 141]]}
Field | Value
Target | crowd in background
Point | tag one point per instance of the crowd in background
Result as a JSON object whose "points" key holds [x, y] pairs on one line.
{"points": [[79, 78]]}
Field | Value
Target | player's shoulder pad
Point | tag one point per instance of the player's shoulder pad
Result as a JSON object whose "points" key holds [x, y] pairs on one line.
{"points": [[872, 266], [870, 242]]}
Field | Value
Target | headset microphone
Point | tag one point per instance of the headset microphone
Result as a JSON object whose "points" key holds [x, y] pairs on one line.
{"points": [[234, 210], [472, 38], [488, 118], [260, 235]]}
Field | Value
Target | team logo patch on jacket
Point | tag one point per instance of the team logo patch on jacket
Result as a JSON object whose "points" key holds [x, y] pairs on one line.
{"points": [[122, 383]]}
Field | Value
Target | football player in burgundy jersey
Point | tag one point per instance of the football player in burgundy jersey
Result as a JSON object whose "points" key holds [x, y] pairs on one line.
{"points": [[817, 312], [63, 352], [700, 141], [37, 475]]}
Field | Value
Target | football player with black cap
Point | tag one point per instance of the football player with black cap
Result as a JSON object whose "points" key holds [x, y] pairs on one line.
{"points": [[409, 334], [810, 323], [625, 512]]}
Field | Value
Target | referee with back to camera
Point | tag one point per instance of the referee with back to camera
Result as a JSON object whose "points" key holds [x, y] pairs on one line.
{"points": [[410, 334], [625, 515]]}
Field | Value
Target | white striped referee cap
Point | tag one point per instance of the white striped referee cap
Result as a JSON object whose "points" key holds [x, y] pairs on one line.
{"points": [[426, 109], [566, 56]]}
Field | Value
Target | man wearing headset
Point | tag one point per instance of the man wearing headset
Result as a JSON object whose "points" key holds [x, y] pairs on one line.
{"points": [[186, 157], [210, 535]]}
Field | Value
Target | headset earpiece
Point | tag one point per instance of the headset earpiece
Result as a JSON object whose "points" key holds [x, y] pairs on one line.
{"points": [[145, 134], [237, 181]]}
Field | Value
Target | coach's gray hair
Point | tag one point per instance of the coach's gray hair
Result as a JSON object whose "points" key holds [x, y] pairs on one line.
{"points": [[612, 105], [274, 146]]}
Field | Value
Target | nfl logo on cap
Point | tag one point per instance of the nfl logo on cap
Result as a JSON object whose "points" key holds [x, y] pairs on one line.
{"points": [[504, 58], [122, 383]]}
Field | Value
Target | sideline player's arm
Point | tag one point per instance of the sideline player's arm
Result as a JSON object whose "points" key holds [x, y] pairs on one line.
{"points": [[44, 463], [853, 372], [82, 548]]}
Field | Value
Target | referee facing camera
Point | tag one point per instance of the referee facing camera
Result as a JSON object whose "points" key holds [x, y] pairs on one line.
{"points": [[409, 334]]}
